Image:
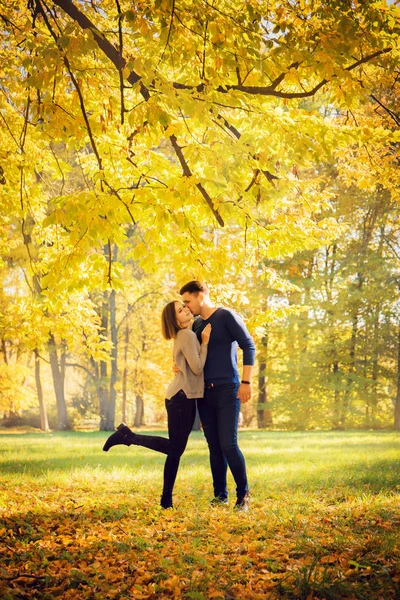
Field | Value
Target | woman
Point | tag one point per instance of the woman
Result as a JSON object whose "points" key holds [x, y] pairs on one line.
{"points": [[188, 384]]}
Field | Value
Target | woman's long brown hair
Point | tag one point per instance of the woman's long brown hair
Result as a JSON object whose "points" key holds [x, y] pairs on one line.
{"points": [[169, 325]]}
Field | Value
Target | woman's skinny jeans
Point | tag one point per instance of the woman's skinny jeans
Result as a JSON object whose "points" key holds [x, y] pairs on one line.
{"points": [[181, 413]]}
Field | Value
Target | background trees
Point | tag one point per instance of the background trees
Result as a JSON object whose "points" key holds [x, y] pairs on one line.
{"points": [[254, 144]]}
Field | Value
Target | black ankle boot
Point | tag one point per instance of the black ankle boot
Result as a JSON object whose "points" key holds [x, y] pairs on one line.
{"points": [[122, 436], [166, 501]]}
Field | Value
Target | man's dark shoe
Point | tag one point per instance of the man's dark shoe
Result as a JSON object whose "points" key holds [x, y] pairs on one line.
{"points": [[219, 500], [242, 503], [122, 436]]}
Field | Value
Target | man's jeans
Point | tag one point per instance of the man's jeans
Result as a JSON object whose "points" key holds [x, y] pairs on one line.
{"points": [[181, 415], [219, 414]]}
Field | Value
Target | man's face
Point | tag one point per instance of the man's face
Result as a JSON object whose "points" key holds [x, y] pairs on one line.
{"points": [[193, 301]]}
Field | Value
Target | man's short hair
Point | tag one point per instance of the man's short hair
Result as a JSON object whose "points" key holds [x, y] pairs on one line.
{"points": [[194, 287]]}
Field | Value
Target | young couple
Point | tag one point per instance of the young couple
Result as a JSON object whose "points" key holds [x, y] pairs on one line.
{"points": [[205, 354]]}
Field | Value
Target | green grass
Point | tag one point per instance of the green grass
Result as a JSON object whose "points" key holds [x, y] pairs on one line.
{"points": [[76, 522]]}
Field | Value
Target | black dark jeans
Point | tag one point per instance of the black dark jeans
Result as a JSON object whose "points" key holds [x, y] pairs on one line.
{"points": [[219, 414], [181, 413]]}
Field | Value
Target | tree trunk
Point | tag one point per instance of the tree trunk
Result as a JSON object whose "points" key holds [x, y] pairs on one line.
{"points": [[397, 403], [125, 374], [44, 424], [114, 363], [264, 414], [107, 392], [375, 366], [352, 364], [58, 373], [369, 223], [297, 344], [4, 350], [139, 414], [351, 371], [329, 280], [102, 384], [375, 340], [336, 399]]}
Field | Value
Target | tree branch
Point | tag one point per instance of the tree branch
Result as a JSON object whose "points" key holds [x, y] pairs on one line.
{"points": [[75, 82], [270, 90], [116, 194], [203, 68], [393, 115], [253, 181], [9, 130], [131, 307], [169, 31], [238, 135], [110, 261], [188, 173], [134, 77], [25, 236], [237, 68], [8, 22], [121, 77], [59, 168], [281, 77], [116, 57], [78, 366], [106, 46]]}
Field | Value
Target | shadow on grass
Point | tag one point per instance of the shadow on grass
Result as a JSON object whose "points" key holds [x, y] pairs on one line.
{"points": [[363, 461]]}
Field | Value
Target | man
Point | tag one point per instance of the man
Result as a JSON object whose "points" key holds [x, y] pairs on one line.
{"points": [[224, 391]]}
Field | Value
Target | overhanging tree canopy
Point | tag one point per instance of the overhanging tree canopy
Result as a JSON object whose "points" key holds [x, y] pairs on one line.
{"points": [[190, 121]]}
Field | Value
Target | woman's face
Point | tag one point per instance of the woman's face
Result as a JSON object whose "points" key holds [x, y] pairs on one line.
{"points": [[183, 315]]}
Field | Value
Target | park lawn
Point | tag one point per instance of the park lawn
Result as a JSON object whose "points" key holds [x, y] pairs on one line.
{"points": [[76, 522]]}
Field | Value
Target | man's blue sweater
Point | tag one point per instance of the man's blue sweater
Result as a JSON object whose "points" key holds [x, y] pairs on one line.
{"points": [[228, 332]]}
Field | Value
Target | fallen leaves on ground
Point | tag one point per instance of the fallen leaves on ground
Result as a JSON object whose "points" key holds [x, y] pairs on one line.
{"points": [[55, 545]]}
